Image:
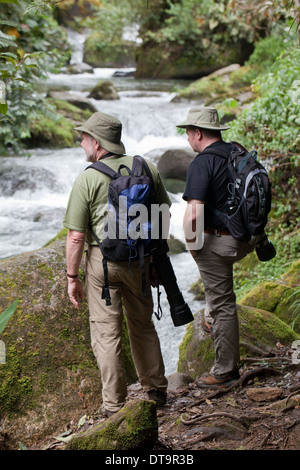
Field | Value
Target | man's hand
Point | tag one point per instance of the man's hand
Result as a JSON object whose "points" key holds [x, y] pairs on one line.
{"points": [[75, 291], [193, 225]]}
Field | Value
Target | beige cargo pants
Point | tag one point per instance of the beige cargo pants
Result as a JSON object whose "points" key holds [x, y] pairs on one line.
{"points": [[106, 328], [215, 262]]}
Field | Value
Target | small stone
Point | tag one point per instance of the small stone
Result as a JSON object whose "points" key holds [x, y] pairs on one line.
{"points": [[264, 393]]}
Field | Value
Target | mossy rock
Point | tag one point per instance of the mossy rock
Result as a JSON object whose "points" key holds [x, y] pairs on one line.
{"points": [[198, 290], [196, 353], [100, 53], [259, 330], [278, 297], [292, 276], [104, 90], [175, 246], [174, 185], [50, 376], [134, 427]]}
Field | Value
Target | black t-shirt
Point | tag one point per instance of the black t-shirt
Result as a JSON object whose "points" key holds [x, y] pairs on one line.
{"points": [[207, 180]]}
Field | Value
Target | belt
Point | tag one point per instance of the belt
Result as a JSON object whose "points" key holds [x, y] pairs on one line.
{"points": [[214, 231]]}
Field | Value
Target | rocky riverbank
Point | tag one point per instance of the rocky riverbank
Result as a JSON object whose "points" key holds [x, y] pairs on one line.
{"points": [[49, 382]]}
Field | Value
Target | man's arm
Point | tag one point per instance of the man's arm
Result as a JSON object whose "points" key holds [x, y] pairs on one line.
{"points": [[193, 225], [74, 251]]}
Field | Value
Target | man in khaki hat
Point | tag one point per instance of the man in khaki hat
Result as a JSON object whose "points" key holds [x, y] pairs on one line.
{"points": [[87, 206], [207, 188]]}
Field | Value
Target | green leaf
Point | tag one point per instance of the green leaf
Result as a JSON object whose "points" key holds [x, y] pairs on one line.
{"points": [[9, 22], [3, 110], [9, 1], [5, 316]]}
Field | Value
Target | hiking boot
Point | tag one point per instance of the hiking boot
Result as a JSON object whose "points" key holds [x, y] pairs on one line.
{"points": [[211, 380], [158, 396]]}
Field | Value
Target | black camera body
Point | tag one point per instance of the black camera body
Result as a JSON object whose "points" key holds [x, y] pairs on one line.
{"points": [[180, 312]]}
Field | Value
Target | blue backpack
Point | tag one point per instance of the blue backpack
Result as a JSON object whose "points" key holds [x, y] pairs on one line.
{"points": [[131, 240]]}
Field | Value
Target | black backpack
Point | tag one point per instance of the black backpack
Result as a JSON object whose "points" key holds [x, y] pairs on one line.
{"points": [[249, 193], [125, 237]]}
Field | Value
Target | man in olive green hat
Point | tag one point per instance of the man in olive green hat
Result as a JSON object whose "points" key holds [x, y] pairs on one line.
{"points": [[206, 189], [87, 207]]}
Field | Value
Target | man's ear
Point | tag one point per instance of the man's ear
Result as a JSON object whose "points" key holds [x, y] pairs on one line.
{"points": [[199, 133]]}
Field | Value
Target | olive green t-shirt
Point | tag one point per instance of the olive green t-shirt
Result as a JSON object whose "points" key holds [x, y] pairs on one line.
{"points": [[88, 200]]}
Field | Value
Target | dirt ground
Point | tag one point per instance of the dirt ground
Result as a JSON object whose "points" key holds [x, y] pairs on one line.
{"points": [[259, 412]]}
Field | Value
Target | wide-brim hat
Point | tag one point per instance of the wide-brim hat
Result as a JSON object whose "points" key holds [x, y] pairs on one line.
{"points": [[106, 130], [206, 118]]}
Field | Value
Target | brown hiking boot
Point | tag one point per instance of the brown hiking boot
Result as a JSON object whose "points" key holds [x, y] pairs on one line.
{"points": [[211, 381]]}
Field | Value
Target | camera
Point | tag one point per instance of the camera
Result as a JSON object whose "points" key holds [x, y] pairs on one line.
{"points": [[180, 311], [265, 249]]}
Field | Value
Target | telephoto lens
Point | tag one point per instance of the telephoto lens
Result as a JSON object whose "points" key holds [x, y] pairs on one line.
{"points": [[265, 249], [180, 312]]}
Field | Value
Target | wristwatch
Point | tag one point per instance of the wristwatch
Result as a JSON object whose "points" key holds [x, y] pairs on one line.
{"points": [[72, 276]]}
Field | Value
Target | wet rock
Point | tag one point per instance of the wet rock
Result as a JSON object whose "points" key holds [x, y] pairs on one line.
{"points": [[76, 100], [178, 380], [104, 90], [174, 163]]}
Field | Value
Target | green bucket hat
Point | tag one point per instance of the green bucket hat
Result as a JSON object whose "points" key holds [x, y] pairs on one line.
{"points": [[206, 118], [106, 130]]}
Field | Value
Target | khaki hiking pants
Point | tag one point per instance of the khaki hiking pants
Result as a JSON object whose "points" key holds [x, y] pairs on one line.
{"points": [[215, 262], [106, 328]]}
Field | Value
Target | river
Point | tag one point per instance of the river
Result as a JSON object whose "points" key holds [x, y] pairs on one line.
{"points": [[34, 190]]}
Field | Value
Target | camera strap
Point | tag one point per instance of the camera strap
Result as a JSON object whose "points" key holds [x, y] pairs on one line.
{"points": [[159, 312]]}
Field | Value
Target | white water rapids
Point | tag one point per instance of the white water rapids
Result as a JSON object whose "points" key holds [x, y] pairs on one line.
{"points": [[34, 190]]}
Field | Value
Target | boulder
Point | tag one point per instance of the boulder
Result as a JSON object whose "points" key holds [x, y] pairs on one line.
{"points": [[50, 376], [259, 332], [73, 98], [134, 427], [278, 296], [267, 315], [104, 90], [174, 163], [80, 68], [178, 380]]}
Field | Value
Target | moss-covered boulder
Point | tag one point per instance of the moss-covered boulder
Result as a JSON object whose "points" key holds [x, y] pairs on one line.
{"points": [[259, 331], [267, 314], [228, 89], [134, 427], [279, 297], [101, 52], [196, 353], [56, 129], [49, 376], [104, 90]]}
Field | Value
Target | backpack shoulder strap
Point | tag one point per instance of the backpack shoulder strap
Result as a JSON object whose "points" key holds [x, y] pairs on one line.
{"points": [[234, 147], [103, 168], [216, 152], [138, 164]]}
